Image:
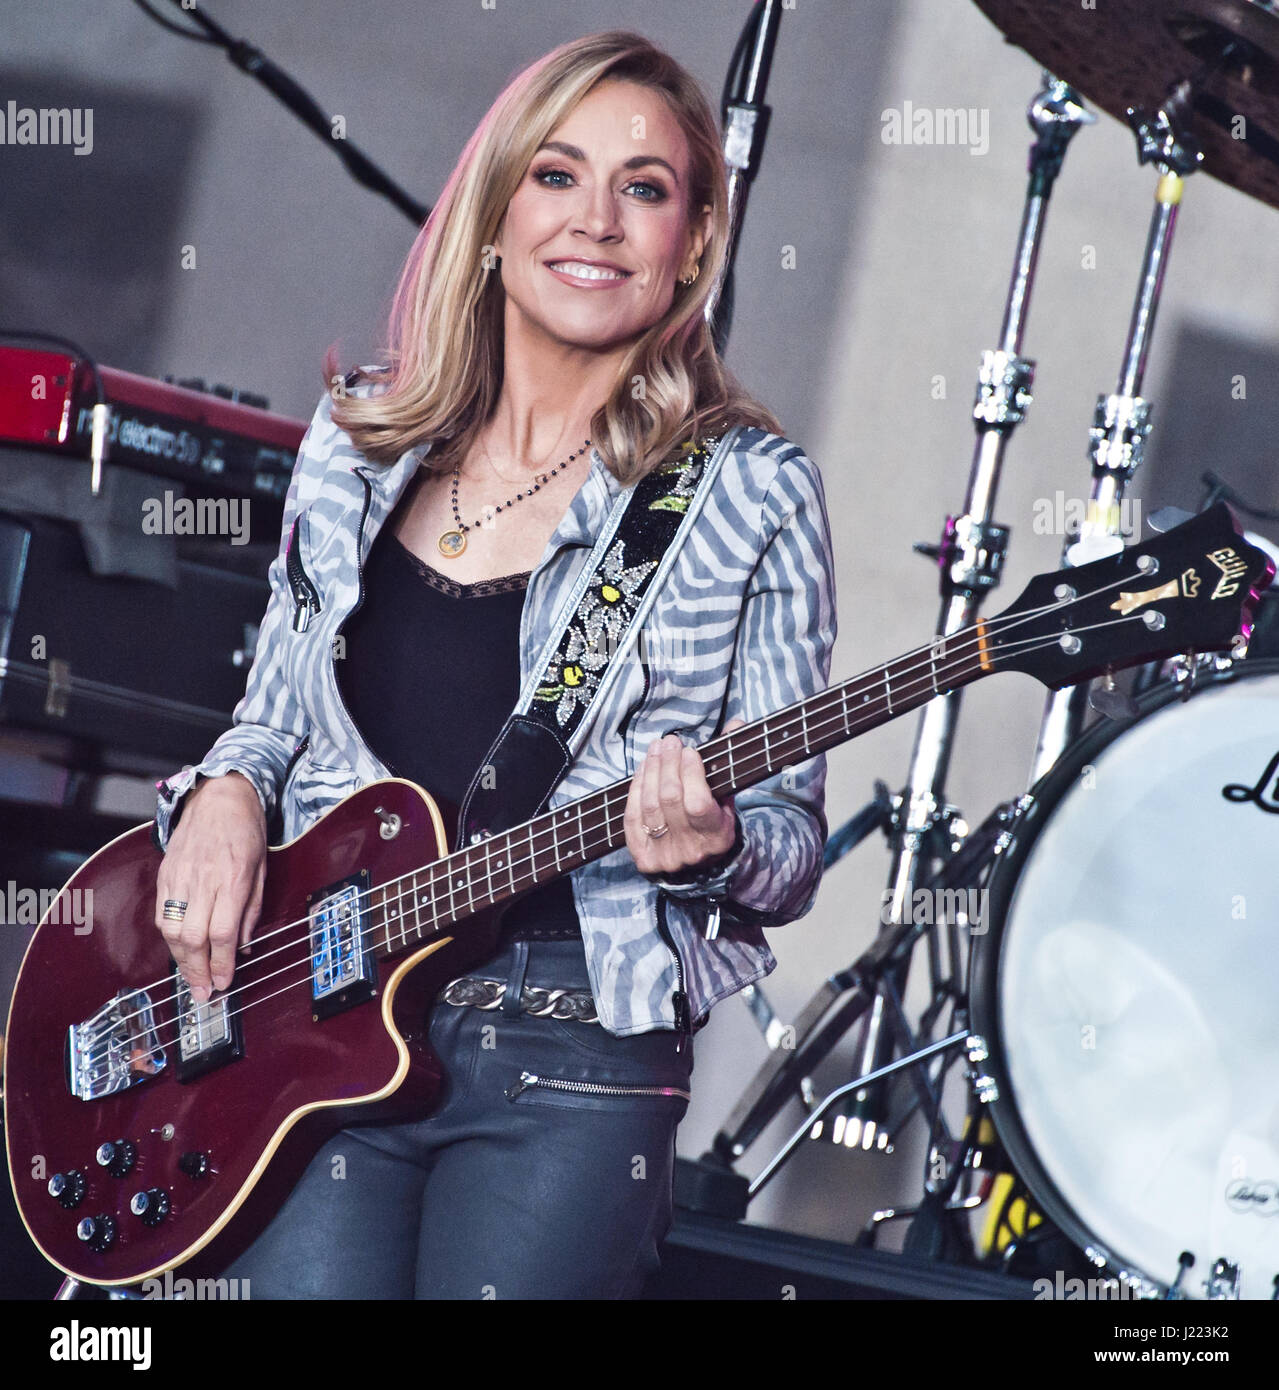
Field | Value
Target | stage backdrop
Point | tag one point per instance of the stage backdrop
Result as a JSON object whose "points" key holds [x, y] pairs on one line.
{"points": [[871, 274]]}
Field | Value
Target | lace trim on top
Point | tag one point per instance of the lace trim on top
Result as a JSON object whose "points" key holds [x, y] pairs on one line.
{"points": [[481, 588]]}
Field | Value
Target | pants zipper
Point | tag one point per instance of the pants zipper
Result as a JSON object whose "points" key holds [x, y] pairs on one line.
{"points": [[592, 1088]]}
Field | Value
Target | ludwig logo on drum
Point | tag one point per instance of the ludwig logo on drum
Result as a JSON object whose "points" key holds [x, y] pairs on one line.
{"points": [[1267, 786], [1253, 1198]]}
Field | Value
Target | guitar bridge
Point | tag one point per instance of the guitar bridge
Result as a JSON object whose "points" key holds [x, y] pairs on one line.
{"points": [[343, 969], [117, 1048]]}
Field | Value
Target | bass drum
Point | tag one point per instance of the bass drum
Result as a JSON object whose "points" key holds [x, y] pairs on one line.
{"points": [[1128, 987]]}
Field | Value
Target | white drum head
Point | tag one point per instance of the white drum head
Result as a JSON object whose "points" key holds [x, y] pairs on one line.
{"points": [[1138, 990]]}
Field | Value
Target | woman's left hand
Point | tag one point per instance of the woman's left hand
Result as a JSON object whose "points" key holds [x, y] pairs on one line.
{"points": [[670, 789]]}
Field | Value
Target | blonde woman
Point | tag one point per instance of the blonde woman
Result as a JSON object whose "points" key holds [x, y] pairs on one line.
{"points": [[547, 348]]}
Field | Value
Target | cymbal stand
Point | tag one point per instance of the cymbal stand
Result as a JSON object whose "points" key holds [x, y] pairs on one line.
{"points": [[1121, 421], [925, 830]]}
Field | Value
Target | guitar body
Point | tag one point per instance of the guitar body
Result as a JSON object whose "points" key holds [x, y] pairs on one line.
{"points": [[255, 1120]]}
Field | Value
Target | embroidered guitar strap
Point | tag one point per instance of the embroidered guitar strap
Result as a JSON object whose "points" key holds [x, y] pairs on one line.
{"points": [[589, 640]]}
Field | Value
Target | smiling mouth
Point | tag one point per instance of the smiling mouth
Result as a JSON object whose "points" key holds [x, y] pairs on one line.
{"points": [[577, 270]]}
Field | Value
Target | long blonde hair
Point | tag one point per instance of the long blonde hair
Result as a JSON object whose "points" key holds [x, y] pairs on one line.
{"points": [[444, 351]]}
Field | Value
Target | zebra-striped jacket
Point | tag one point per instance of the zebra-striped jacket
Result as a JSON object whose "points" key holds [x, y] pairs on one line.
{"points": [[750, 596]]}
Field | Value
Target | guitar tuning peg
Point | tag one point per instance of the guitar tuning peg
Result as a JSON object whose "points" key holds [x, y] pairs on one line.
{"points": [[1108, 700], [1165, 518]]}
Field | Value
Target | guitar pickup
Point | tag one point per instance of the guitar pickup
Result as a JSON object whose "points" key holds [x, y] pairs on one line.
{"points": [[343, 968], [208, 1034]]}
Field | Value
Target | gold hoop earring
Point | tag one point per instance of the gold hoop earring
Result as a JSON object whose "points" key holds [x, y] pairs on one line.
{"points": [[697, 270]]}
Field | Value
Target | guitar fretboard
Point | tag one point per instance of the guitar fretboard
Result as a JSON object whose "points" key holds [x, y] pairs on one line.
{"points": [[437, 896]]}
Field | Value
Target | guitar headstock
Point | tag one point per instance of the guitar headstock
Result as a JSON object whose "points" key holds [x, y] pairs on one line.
{"points": [[1192, 589]]}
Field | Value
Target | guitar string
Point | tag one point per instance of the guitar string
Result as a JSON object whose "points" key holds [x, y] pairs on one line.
{"points": [[963, 645], [606, 806], [964, 642], [240, 989], [243, 1008], [960, 643]]}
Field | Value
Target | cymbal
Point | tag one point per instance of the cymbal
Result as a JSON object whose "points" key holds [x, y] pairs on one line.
{"points": [[1131, 53]]}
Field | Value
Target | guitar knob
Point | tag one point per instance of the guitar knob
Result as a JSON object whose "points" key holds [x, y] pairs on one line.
{"points": [[117, 1158], [194, 1165], [152, 1206], [97, 1232], [68, 1188]]}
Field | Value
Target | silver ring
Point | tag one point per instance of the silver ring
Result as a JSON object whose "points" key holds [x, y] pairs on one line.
{"points": [[657, 834], [175, 909]]}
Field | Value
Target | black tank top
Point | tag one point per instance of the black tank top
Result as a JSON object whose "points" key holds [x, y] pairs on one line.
{"points": [[431, 672]]}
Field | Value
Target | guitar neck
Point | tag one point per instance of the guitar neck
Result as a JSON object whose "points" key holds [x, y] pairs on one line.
{"points": [[560, 840]]}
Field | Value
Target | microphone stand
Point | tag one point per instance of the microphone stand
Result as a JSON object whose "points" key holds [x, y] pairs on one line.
{"points": [[745, 119], [302, 104]]}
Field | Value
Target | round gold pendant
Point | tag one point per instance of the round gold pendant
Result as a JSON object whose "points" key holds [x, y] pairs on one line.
{"points": [[452, 543]]}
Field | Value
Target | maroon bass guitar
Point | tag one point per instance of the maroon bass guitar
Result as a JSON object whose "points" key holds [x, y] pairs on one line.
{"points": [[147, 1132]]}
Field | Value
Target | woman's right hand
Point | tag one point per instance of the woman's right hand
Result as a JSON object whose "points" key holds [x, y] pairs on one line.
{"points": [[216, 864]]}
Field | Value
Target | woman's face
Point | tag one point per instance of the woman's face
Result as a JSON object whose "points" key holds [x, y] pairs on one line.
{"points": [[598, 232]]}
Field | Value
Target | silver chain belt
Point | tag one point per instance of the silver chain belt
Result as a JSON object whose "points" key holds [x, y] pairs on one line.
{"points": [[576, 1005]]}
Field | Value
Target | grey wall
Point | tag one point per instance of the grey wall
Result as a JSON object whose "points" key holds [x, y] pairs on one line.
{"points": [[902, 257]]}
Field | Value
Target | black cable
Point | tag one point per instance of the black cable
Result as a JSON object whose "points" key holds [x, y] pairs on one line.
{"points": [[1220, 490], [295, 98], [173, 28], [744, 40]]}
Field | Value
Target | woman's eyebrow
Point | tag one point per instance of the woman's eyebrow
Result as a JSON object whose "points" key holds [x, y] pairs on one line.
{"points": [[636, 161]]}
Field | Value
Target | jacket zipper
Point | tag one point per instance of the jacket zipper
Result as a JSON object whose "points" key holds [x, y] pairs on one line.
{"points": [[591, 1088], [679, 998], [306, 598], [359, 603]]}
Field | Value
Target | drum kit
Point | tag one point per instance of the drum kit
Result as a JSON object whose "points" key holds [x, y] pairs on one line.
{"points": [[1112, 1005]]}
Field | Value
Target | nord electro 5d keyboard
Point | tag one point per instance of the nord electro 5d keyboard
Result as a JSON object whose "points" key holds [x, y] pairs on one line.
{"points": [[216, 443]]}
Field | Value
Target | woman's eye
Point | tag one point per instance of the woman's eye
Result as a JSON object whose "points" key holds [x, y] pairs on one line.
{"points": [[542, 175], [649, 192], [655, 192]]}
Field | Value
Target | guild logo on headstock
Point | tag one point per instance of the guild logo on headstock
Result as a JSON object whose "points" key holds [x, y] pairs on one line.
{"points": [[1232, 570], [1186, 585]]}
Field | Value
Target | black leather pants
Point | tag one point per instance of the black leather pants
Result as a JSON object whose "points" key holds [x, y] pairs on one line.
{"points": [[510, 1189]]}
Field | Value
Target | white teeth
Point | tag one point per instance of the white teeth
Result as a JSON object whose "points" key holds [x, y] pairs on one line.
{"points": [[586, 272]]}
